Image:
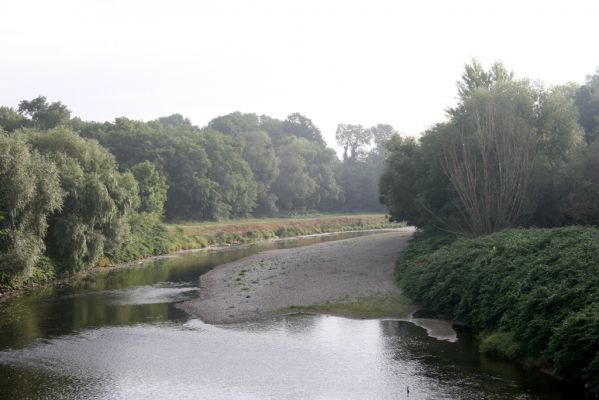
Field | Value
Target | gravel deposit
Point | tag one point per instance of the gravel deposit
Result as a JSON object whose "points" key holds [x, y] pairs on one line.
{"points": [[257, 286]]}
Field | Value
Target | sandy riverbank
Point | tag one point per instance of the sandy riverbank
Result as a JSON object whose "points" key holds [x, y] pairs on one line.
{"points": [[269, 283]]}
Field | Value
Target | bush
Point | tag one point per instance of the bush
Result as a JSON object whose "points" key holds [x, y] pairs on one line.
{"points": [[537, 287], [500, 344], [148, 237]]}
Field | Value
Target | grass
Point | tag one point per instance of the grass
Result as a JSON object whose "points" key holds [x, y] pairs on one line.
{"points": [[151, 237], [363, 308], [191, 235]]}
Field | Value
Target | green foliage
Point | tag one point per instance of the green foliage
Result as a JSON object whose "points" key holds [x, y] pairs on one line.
{"points": [[291, 165], [501, 345], [97, 198], [509, 155], [538, 287], [352, 138], [10, 120], [414, 186], [587, 101], [44, 115], [301, 126], [149, 237], [257, 150], [152, 188], [236, 188], [29, 193]]}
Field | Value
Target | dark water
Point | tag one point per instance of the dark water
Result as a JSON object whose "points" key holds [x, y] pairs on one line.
{"points": [[119, 336]]}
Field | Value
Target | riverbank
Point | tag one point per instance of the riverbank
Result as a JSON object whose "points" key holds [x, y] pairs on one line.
{"points": [[352, 277], [531, 294], [152, 238], [193, 235]]}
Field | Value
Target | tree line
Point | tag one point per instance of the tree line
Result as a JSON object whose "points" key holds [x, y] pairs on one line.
{"points": [[511, 153], [80, 192], [496, 189]]}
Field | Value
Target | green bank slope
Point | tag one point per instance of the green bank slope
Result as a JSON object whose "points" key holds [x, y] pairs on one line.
{"points": [[532, 294]]}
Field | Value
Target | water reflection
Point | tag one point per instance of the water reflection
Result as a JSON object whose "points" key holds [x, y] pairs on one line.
{"points": [[309, 357], [115, 297], [119, 336]]}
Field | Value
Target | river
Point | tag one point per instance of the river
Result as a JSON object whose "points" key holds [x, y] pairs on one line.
{"points": [[118, 335]]}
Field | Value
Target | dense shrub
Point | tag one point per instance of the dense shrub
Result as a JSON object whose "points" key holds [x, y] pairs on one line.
{"points": [[148, 237], [535, 291]]}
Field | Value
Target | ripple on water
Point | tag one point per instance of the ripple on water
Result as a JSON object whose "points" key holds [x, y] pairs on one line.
{"points": [[148, 294]]}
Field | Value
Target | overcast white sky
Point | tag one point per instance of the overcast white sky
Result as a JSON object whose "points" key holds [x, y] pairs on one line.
{"points": [[336, 61]]}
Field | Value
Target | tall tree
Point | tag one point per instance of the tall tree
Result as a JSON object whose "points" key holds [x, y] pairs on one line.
{"points": [[257, 150], [152, 188], [98, 198], [299, 125], [352, 138], [489, 156], [29, 193], [587, 101], [235, 185], [44, 115], [10, 120]]}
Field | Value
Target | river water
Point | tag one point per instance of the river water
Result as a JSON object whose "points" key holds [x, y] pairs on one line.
{"points": [[118, 335]]}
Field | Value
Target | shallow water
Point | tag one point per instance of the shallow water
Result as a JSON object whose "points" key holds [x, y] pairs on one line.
{"points": [[119, 336]]}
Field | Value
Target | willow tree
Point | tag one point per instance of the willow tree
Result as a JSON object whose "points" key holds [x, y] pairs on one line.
{"points": [[29, 192], [92, 221]]}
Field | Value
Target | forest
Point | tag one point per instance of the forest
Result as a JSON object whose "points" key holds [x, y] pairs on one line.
{"points": [[506, 196], [74, 193]]}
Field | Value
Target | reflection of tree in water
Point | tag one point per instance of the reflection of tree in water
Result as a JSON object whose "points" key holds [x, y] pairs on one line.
{"points": [[51, 311], [30, 383], [459, 366]]}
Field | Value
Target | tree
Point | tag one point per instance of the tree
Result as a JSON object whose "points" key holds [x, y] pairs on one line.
{"points": [[362, 168], [475, 77], [507, 156], [92, 220], [587, 101], [152, 188], [10, 120], [489, 156], [352, 138], [380, 134], [176, 149], [236, 188], [414, 185], [235, 123], [44, 115], [29, 193], [257, 150], [299, 125], [294, 186]]}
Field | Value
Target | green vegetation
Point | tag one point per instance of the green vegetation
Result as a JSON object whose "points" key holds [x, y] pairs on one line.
{"points": [[149, 236], [30, 193], [193, 236], [533, 294], [511, 155], [370, 307], [89, 193]]}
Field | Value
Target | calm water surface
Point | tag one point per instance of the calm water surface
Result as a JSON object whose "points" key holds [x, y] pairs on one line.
{"points": [[119, 336]]}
